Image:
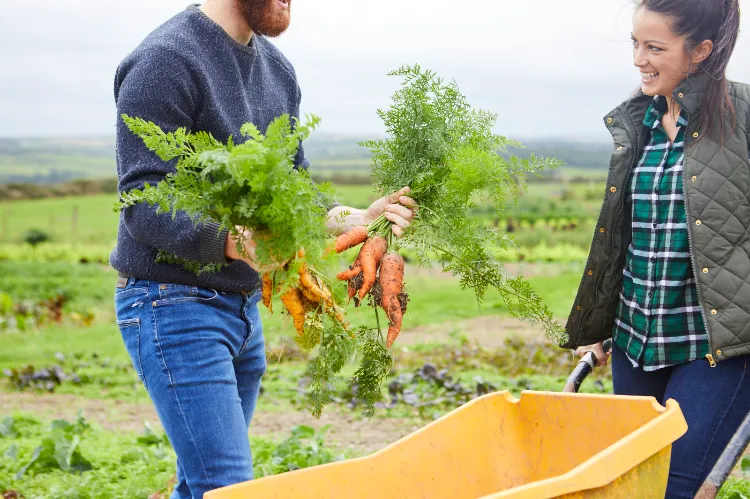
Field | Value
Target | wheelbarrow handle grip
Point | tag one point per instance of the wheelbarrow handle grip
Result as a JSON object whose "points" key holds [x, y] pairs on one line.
{"points": [[584, 368], [727, 461]]}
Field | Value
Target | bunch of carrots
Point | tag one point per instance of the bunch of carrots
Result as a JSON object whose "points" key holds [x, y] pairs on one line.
{"points": [[376, 272], [310, 296]]}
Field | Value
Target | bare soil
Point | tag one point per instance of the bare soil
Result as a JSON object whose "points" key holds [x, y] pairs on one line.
{"points": [[347, 431], [490, 331]]}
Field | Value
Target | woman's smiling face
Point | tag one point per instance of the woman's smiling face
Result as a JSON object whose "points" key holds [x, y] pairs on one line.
{"points": [[659, 53]]}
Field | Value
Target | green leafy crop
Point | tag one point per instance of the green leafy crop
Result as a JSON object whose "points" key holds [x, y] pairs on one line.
{"points": [[252, 185], [59, 449], [446, 152], [255, 185]]}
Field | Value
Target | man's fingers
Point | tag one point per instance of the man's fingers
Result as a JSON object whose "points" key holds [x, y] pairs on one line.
{"points": [[400, 210], [407, 201], [397, 219], [397, 231], [393, 198]]}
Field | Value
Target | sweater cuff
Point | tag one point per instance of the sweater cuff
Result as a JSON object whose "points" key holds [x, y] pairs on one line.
{"points": [[212, 243]]}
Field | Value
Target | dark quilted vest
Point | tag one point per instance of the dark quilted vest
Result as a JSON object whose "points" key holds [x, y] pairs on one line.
{"points": [[717, 194]]}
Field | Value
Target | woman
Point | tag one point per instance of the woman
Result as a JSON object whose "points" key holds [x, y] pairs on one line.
{"points": [[668, 276]]}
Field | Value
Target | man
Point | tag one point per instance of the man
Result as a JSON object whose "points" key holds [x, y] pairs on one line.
{"points": [[196, 340]]}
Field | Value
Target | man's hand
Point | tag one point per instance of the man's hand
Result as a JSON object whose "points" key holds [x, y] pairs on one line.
{"points": [[397, 207], [231, 252]]}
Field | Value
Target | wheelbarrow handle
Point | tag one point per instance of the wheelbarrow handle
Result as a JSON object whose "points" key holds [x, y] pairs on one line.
{"points": [[584, 368], [727, 461]]}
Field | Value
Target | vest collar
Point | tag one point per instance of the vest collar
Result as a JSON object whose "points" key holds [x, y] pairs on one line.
{"points": [[689, 94]]}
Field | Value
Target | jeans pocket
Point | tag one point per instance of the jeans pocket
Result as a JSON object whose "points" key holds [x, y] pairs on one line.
{"points": [[131, 290], [130, 329], [170, 294]]}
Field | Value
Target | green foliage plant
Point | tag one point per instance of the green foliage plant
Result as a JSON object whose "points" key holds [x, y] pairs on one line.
{"points": [[254, 185], [447, 153]]}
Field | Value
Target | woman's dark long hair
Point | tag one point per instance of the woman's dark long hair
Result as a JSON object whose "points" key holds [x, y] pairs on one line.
{"points": [[699, 20]]}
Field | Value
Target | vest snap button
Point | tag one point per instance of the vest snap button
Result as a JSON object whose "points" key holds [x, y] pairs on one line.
{"points": [[714, 312], [613, 189], [694, 178], [590, 273], [680, 95], [695, 134], [705, 270], [609, 120], [601, 230], [619, 148], [697, 222], [718, 352]]}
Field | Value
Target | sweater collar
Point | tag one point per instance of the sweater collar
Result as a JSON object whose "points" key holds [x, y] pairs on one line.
{"points": [[250, 48]]}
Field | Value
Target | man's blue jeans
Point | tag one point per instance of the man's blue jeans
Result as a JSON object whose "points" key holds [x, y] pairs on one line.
{"points": [[713, 400], [201, 355]]}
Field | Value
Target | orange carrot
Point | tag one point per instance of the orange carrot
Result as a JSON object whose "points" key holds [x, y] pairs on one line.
{"points": [[391, 280], [354, 269], [393, 309], [267, 291], [372, 251], [293, 303], [351, 239], [312, 290], [349, 273], [313, 299]]}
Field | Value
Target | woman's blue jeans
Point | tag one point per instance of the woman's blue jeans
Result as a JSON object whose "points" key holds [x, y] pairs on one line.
{"points": [[713, 400], [201, 355]]}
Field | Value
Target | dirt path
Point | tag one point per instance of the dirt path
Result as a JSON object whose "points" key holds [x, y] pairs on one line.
{"points": [[527, 270], [347, 432], [490, 331]]}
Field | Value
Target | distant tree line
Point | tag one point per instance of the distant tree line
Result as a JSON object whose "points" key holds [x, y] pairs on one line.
{"points": [[15, 191], [583, 155], [81, 187]]}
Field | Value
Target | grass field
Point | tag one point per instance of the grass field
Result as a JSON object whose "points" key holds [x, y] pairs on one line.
{"points": [[444, 327], [56, 160], [96, 222], [91, 219]]}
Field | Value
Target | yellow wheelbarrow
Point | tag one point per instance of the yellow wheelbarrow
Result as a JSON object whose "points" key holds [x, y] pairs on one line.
{"points": [[541, 445]]}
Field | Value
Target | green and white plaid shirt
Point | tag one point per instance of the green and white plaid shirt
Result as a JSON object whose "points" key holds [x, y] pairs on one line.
{"points": [[658, 321]]}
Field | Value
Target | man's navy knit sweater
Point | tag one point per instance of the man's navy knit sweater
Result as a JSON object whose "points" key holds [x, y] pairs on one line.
{"points": [[190, 73]]}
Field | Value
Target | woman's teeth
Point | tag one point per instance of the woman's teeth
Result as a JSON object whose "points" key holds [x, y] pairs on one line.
{"points": [[649, 76]]}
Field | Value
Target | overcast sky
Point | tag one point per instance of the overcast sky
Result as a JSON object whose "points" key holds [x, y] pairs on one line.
{"points": [[548, 68]]}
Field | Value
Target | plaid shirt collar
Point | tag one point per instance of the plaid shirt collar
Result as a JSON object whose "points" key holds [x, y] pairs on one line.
{"points": [[658, 108]]}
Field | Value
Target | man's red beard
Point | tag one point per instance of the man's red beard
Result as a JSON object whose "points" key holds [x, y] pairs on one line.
{"points": [[265, 17]]}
